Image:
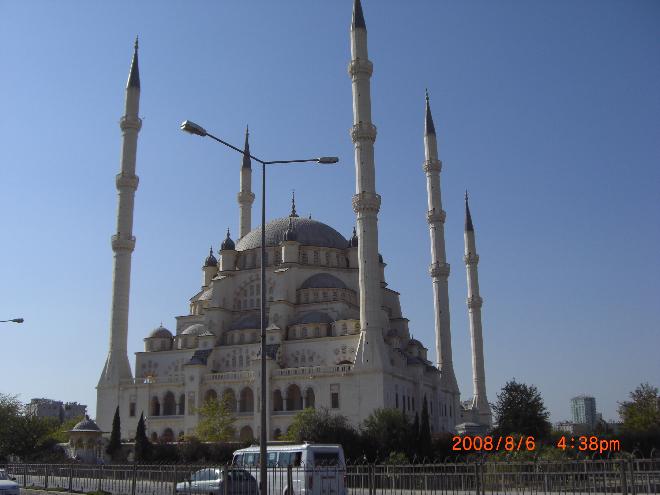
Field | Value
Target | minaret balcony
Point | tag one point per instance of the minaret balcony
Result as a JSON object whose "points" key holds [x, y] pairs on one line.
{"points": [[437, 270], [471, 259], [435, 216], [360, 67], [120, 243], [366, 201], [432, 165], [130, 122], [474, 302], [363, 131], [124, 181]]}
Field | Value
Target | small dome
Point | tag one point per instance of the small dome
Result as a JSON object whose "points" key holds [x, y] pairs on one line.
{"points": [[354, 240], [227, 244], [323, 281], [160, 333], [86, 425], [210, 260], [246, 322], [312, 317], [415, 342], [197, 329]]}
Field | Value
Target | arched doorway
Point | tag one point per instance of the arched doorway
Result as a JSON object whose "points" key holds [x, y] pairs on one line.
{"points": [[169, 404], [294, 400], [246, 434], [310, 399], [182, 404], [167, 436], [247, 400], [278, 403], [155, 406], [210, 395], [229, 398]]}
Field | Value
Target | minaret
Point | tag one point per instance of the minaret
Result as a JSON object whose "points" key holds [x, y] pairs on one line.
{"points": [[117, 367], [439, 269], [474, 302], [245, 195], [366, 202]]}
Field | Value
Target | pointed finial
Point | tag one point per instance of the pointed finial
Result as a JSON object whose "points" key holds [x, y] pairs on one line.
{"points": [[228, 233], [134, 74], [429, 128], [310, 216], [247, 163], [468, 218], [358, 16], [227, 244], [293, 204], [211, 250]]}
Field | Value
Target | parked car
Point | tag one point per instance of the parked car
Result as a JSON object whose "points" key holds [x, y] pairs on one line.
{"points": [[8, 485], [210, 481]]}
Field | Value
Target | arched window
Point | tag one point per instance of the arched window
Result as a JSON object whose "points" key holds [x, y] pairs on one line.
{"points": [[247, 400], [155, 406], [182, 404], [310, 399], [294, 400], [154, 437], [169, 405], [317, 258]]}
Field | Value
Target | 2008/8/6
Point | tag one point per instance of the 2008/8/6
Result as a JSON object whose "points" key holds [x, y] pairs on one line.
{"points": [[488, 443]]}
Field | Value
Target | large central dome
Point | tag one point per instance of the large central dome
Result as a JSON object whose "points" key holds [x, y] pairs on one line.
{"points": [[308, 233]]}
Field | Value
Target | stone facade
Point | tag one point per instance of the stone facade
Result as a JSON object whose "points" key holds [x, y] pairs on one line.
{"points": [[336, 333]]}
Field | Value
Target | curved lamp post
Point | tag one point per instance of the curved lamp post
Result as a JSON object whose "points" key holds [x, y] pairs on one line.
{"points": [[198, 130]]}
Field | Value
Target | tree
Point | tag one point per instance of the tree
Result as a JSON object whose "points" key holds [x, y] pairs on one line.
{"points": [[320, 426], [142, 443], [642, 413], [216, 423], [384, 431], [425, 431], [114, 447], [10, 411], [520, 409], [414, 437]]}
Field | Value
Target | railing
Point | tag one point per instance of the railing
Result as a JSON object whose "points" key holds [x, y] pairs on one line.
{"points": [[624, 476], [314, 370], [155, 380], [229, 376]]}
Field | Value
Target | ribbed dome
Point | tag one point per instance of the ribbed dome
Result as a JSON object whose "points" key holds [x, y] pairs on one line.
{"points": [[210, 260], [323, 281], [308, 233], [227, 244], [196, 329], [160, 333], [86, 425]]}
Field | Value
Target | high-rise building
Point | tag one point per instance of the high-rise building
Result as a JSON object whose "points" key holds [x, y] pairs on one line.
{"points": [[583, 410]]}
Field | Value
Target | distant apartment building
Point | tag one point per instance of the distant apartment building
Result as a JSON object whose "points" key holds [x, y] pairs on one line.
{"points": [[48, 408], [583, 409]]}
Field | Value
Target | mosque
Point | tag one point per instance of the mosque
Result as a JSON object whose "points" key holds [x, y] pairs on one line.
{"points": [[336, 336]]}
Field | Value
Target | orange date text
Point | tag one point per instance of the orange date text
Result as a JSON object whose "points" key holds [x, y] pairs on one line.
{"points": [[488, 443]]}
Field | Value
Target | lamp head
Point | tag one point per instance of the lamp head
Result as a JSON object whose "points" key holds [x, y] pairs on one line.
{"points": [[327, 160], [192, 128], [18, 320]]}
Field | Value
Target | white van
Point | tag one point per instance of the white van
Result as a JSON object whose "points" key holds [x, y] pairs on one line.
{"points": [[317, 469]]}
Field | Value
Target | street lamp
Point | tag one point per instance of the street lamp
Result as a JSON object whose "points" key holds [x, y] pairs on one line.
{"points": [[198, 130], [14, 320]]}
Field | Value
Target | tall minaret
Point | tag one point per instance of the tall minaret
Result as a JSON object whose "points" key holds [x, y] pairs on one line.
{"points": [[474, 302], [439, 269], [245, 195], [117, 367], [366, 202]]}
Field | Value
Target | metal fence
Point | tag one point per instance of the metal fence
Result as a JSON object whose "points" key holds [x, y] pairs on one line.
{"points": [[625, 476]]}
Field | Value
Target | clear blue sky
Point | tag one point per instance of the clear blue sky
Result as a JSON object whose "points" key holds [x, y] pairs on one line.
{"points": [[548, 112]]}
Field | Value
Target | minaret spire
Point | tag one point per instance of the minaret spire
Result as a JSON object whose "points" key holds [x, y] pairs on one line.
{"points": [[366, 202], [117, 367], [293, 213], [480, 404], [439, 268], [245, 195]]}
